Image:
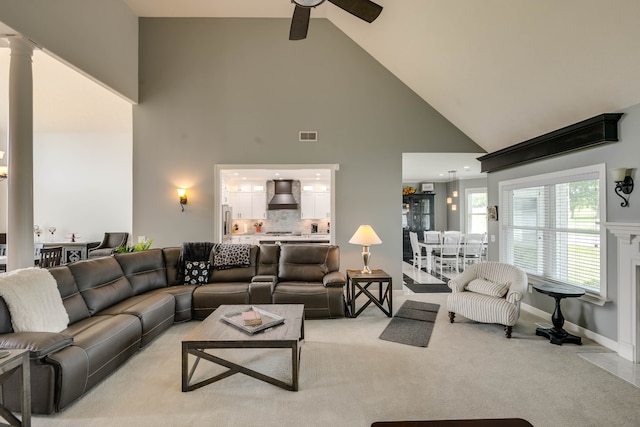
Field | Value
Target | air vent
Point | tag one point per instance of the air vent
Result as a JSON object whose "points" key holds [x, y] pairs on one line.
{"points": [[308, 136]]}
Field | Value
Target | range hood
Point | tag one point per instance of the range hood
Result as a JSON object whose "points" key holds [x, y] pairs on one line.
{"points": [[283, 197]]}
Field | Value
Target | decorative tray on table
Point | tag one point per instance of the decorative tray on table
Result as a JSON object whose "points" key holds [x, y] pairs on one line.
{"points": [[268, 319]]}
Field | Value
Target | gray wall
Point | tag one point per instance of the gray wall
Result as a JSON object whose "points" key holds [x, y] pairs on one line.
{"points": [[97, 37], [237, 91], [624, 153]]}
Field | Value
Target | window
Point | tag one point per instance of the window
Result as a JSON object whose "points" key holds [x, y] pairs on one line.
{"points": [[550, 227], [476, 208]]}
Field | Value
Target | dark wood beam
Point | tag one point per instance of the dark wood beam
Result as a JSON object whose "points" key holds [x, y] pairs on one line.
{"points": [[587, 133]]}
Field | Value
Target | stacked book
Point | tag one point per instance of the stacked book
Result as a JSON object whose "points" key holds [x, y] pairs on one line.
{"points": [[251, 318]]}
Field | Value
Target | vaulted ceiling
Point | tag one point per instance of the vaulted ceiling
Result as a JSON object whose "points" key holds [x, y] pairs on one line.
{"points": [[502, 71]]}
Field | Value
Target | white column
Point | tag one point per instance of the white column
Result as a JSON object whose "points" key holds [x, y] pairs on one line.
{"points": [[628, 236], [20, 156]]}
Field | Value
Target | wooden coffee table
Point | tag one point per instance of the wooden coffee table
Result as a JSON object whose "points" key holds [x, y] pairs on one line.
{"points": [[10, 361], [214, 333]]}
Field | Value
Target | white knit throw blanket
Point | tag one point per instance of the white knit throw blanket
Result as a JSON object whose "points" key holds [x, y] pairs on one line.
{"points": [[33, 299]]}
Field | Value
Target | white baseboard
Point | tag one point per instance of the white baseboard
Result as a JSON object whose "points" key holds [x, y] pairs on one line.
{"points": [[573, 328]]}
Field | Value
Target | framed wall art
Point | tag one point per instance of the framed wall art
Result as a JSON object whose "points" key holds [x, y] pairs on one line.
{"points": [[492, 213]]}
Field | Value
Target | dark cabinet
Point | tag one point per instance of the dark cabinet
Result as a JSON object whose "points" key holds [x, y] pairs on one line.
{"points": [[417, 216]]}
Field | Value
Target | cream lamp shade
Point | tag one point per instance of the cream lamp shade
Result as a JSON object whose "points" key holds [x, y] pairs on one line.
{"points": [[366, 236]]}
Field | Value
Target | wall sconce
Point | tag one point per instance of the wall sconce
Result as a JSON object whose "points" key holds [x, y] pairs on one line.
{"points": [[365, 236], [624, 183], [4, 172], [182, 194]]}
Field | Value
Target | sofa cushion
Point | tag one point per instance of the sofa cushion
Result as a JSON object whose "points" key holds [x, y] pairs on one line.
{"points": [[145, 270], [155, 311], [207, 298], [306, 263], [100, 345], [488, 287], [319, 301], [183, 296], [101, 282], [171, 262], [268, 258], [196, 272], [73, 302]]}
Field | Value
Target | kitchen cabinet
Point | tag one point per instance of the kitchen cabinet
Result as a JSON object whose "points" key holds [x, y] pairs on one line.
{"points": [[315, 205], [241, 205], [259, 205], [248, 205], [417, 216]]}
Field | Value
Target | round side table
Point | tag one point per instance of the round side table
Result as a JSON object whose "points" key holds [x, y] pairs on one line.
{"points": [[557, 335]]}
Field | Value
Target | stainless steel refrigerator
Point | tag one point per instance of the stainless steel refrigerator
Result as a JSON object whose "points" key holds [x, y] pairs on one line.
{"points": [[227, 220]]}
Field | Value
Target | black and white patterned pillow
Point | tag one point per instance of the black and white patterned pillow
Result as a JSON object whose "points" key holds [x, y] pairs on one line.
{"points": [[231, 256], [196, 272]]}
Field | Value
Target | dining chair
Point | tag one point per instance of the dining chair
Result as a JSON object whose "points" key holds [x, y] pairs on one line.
{"points": [[432, 238], [417, 250], [449, 252], [50, 257], [472, 248], [37, 247]]}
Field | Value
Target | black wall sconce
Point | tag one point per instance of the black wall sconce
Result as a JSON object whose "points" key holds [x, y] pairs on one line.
{"points": [[182, 194], [624, 183]]}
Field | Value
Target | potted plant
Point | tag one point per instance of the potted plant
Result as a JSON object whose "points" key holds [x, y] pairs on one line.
{"points": [[258, 226], [140, 246]]}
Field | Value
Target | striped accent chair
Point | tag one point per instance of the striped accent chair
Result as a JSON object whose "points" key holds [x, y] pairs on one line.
{"points": [[488, 292]]}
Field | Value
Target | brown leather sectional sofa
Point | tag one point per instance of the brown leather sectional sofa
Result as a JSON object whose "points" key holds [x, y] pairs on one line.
{"points": [[119, 304]]}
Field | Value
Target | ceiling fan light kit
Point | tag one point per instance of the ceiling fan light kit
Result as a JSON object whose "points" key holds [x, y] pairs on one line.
{"points": [[364, 9]]}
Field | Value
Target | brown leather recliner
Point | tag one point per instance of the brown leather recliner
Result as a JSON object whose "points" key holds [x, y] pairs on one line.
{"points": [[309, 274]]}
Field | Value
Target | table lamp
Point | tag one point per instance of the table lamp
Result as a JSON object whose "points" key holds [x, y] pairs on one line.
{"points": [[365, 236]]}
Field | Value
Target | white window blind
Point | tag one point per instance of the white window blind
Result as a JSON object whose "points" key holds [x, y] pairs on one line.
{"points": [[550, 227]]}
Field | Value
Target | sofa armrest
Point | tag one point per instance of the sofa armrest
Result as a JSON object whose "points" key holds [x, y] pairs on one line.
{"points": [[514, 296], [264, 278], [334, 279], [39, 344], [458, 283], [261, 289]]}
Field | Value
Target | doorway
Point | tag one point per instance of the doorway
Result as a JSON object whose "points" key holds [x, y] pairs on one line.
{"points": [[249, 185]]}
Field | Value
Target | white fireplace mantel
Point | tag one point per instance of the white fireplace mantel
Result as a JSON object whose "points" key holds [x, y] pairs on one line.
{"points": [[628, 236]]}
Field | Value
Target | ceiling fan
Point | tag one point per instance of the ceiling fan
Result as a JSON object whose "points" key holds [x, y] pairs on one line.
{"points": [[363, 9]]}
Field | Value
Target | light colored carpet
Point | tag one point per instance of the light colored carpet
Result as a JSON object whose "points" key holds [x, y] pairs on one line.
{"points": [[349, 377]]}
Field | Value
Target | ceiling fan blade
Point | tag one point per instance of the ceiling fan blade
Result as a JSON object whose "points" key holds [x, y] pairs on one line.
{"points": [[299, 23], [363, 9]]}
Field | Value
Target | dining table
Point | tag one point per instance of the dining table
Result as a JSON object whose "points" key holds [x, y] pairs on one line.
{"points": [[430, 247]]}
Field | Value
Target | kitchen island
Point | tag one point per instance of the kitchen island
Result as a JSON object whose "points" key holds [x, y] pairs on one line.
{"points": [[280, 238]]}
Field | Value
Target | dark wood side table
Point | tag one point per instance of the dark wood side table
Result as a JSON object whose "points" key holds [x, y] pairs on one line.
{"points": [[358, 283], [14, 360], [557, 335]]}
